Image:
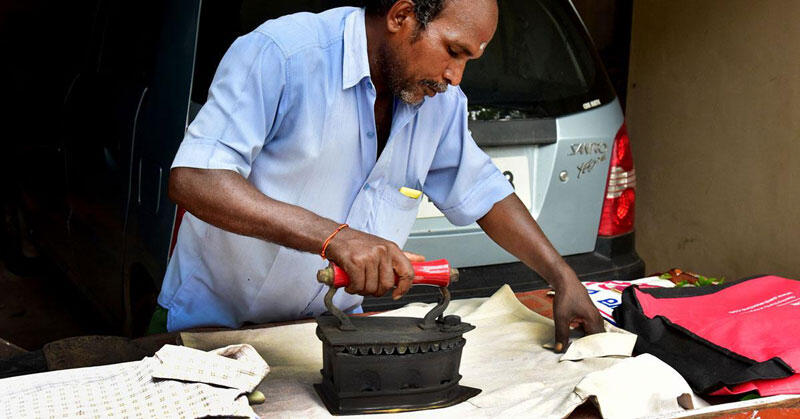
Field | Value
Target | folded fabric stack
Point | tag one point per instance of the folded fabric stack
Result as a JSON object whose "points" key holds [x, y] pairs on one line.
{"points": [[727, 339], [607, 295], [178, 382]]}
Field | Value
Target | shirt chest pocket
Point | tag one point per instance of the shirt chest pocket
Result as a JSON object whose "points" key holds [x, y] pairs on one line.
{"points": [[393, 214]]}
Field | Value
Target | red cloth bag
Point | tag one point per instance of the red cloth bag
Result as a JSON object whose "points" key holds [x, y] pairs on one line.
{"points": [[746, 334]]}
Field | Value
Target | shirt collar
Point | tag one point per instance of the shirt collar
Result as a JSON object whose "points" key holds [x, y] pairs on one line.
{"points": [[355, 63]]}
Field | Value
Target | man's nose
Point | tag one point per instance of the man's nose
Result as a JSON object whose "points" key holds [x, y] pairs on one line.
{"points": [[454, 73]]}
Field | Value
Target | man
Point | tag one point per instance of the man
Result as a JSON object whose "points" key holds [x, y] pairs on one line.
{"points": [[314, 123]]}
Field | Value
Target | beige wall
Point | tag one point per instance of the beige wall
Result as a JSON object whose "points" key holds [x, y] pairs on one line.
{"points": [[714, 119]]}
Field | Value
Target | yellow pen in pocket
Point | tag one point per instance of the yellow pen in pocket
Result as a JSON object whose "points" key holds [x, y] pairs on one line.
{"points": [[411, 193]]}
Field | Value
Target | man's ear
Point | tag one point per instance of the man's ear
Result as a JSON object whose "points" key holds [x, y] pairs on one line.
{"points": [[401, 16]]}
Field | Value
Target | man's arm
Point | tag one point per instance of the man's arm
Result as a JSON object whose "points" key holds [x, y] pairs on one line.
{"points": [[225, 199], [511, 226]]}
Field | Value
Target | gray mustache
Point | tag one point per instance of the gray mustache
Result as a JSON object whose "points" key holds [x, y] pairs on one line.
{"points": [[438, 87]]}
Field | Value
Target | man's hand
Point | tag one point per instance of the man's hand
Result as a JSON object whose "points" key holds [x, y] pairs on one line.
{"points": [[372, 263], [510, 225], [572, 305]]}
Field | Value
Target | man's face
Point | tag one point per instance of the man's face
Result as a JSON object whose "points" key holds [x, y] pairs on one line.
{"points": [[422, 62]]}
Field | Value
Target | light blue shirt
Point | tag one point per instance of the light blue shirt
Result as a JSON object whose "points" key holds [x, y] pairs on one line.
{"points": [[291, 110]]}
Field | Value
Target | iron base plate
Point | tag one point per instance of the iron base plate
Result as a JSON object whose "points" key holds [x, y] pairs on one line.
{"points": [[395, 403]]}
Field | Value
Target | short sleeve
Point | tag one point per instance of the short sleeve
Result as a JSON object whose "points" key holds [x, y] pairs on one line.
{"points": [[463, 182], [246, 102]]}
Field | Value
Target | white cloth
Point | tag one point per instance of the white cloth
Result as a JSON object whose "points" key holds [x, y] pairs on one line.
{"points": [[600, 344], [636, 387], [178, 382], [503, 357]]}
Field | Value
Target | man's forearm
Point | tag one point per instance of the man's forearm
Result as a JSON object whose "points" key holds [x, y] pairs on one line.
{"points": [[511, 226], [225, 199]]}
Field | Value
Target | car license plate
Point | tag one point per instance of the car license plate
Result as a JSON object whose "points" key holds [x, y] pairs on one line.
{"points": [[515, 169]]}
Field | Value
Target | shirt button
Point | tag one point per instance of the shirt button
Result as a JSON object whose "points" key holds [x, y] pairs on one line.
{"points": [[370, 134]]}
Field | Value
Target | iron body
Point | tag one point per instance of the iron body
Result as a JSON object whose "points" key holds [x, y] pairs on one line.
{"points": [[391, 364]]}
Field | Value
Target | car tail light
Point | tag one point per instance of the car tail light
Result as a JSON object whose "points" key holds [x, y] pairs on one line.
{"points": [[176, 226], [619, 204]]}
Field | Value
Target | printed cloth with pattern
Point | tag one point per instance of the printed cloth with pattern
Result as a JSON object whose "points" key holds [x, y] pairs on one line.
{"points": [[177, 382]]}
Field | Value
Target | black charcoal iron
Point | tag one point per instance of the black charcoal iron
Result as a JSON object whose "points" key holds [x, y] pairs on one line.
{"points": [[392, 364]]}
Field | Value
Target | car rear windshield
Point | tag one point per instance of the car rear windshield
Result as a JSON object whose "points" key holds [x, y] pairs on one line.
{"points": [[540, 64]]}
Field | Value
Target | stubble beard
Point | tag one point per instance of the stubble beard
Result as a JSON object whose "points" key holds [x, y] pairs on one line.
{"points": [[403, 87]]}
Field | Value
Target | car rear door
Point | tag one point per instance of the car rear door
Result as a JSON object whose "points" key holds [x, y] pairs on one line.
{"points": [[160, 126], [111, 101]]}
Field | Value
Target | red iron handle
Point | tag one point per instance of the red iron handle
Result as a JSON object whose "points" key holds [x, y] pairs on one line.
{"points": [[437, 273]]}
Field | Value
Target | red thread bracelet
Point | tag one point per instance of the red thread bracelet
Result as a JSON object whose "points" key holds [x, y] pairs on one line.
{"points": [[328, 240]]}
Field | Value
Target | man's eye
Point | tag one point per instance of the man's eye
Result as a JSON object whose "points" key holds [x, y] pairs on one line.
{"points": [[452, 52]]}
